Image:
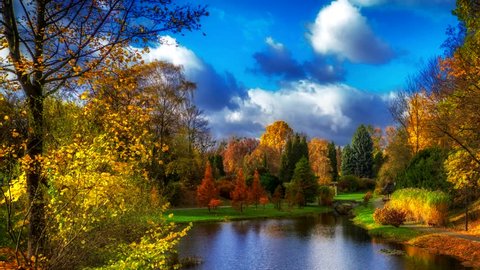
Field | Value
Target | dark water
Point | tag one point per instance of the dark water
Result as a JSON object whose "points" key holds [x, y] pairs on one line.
{"points": [[317, 242]]}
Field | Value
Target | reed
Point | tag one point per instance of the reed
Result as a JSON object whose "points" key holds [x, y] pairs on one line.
{"points": [[421, 205]]}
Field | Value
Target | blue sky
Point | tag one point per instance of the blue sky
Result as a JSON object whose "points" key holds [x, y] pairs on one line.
{"points": [[323, 66]]}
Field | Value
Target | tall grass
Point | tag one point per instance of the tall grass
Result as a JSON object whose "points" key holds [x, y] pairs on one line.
{"points": [[429, 207]]}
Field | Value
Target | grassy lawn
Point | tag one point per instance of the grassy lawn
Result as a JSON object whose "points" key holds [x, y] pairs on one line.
{"points": [[350, 196], [229, 213], [364, 218]]}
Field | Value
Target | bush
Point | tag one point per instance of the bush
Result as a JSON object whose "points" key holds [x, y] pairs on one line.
{"points": [[389, 216], [430, 207], [426, 170], [366, 184], [348, 183], [225, 187], [367, 197], [325, 195]]}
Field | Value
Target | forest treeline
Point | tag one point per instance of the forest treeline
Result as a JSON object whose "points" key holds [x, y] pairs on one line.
{"points": [[91, 136]]}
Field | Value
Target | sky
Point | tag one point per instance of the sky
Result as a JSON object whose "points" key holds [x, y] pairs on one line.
{"points": [[324, 67]]}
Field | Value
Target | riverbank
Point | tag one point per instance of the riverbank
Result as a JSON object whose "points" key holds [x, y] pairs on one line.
{"points": [[228, 213], [436, 240]]}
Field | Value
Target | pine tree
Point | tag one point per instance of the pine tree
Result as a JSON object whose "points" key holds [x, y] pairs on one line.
{"points": [[332, 156], [304, 184], [348, 163], [295, 149], [206, 191], [362, 153]]}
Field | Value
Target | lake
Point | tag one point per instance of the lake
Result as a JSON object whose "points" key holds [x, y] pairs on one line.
{"points": [[324, 241]]}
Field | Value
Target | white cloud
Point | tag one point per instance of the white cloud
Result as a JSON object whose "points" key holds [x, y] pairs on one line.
{"points": [[328, 111], [170, 51], [341, 30]]}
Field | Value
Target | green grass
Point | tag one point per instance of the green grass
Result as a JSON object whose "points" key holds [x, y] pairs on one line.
{"points": [[229, 213], [358, 196], [364, 218]]}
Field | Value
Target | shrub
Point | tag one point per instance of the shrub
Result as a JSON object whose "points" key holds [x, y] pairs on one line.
{"points": [[389, 216], [367, 197], [348, 183], [325, 195], [366, 184], [426, 170], [214, 203], [430, 207], [225, 187]]}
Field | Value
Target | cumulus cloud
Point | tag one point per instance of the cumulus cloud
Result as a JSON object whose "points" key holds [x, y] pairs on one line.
{"points": [[328, 111], [276, 60], [214, 90], [341, 30]]}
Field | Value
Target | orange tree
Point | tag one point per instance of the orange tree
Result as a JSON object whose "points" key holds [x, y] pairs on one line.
{"points": [[240, 193], [50, 44], [206, 191], [256, 192]]}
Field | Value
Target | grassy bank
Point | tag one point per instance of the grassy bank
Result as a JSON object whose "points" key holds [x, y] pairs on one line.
{"points": [[229, 213], [358, 196], [364, 218]]}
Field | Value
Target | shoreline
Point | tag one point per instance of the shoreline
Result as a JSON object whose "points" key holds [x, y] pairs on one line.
{"points": [[435, 241]]}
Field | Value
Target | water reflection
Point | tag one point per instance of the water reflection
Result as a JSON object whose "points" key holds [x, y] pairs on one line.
{"points": [[318, 242]]}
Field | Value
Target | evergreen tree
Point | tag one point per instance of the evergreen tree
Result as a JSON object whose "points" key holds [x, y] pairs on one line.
{"points": [[332, 156], [348, 163], [362, 153], [295, 149], [304, 183]]}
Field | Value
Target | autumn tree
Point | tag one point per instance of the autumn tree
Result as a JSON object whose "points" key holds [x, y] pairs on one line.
{"points": [[239, 194], [235, 152], [277, 197], [52, 43], [207, 191], [318, 151], [256, 191], [398, 155], [463, 172], [271, 147]]}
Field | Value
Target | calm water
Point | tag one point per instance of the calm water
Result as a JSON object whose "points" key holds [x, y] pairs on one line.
{"points": [[319, 242]]}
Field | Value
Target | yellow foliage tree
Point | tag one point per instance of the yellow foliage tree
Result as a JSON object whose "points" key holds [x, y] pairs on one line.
{"points": [[318, 158]]}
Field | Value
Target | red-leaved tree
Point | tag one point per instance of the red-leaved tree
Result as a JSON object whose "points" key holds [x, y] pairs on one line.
{"points": [[239, 194], [207, 191], [256, 191]]}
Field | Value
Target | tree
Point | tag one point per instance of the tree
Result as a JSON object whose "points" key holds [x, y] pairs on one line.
{"points": [[276, 135], [426, 170], [50, 44], [303, 186], [272, 144], [235, 152], [256, 191], [295, 149], [348, 162], [277, 197], [318, 151], [463, 172], [207, 191], [332, 157], [362, 153], [398, 155], [239, 194]]}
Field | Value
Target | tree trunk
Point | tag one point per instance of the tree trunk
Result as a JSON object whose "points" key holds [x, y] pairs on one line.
{"points": [[36, 218]]}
